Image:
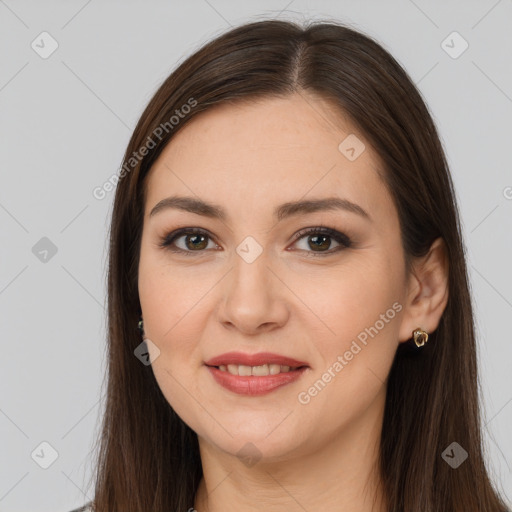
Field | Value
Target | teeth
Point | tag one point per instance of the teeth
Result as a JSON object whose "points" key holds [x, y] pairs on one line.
{"points": [[274, 369], [244, 371], [260, 371]]}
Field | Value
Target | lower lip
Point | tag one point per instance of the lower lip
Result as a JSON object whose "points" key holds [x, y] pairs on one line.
{"points": [[254, 385]]}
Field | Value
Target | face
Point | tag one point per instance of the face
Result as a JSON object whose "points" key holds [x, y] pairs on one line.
{"points": [[254, 281]]}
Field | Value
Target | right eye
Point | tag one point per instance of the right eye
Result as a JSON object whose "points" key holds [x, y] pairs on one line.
{"points": [[195, 240]]}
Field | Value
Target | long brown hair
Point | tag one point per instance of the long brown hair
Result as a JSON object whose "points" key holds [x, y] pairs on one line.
{"points": [[148, 458]]}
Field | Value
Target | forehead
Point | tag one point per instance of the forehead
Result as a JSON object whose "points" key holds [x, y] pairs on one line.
{"points": [[254, 154]]}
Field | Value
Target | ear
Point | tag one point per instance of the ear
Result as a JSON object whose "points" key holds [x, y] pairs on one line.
{"points": [[427, 292]]}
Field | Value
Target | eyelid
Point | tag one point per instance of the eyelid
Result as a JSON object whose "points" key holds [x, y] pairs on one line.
{"points": [[341, 238]]}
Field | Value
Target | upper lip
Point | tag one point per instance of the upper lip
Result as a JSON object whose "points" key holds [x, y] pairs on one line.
{"points": [[258, 359]]}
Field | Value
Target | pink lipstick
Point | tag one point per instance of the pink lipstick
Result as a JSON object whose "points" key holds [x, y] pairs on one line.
{"points": [[259, 373]]}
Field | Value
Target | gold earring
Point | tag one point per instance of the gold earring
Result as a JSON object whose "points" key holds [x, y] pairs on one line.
{"points": [[420, 337]]}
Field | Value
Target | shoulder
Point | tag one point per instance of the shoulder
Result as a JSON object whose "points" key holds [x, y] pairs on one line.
{"points": [[86, 508]]}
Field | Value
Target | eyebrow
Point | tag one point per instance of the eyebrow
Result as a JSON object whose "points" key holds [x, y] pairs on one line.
{"points": [[301, 207]]}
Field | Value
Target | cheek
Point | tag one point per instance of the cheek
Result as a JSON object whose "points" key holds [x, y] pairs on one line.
{"points": [[174, 307], [167, 294], [351, 298], [359, 308], [169, 309], [172, 321]]}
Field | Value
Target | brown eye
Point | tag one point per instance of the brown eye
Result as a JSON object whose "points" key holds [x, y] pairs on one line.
{"points": [[194, 240], [319, 240]]}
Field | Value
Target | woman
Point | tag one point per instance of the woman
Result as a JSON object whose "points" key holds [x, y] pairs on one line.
{"points": [[285, 237]]}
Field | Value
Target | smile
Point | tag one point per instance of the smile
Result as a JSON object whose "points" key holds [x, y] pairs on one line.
{"points": [[240, 379]]}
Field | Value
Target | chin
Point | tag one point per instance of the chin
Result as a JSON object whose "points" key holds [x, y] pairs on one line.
{"points": [[264, 444]]}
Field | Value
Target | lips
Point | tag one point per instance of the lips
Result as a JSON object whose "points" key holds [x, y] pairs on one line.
{"points": [[261, 358], [253, 385]]}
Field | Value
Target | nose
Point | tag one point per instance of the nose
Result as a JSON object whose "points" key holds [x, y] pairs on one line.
{"points": [[255, 298]]}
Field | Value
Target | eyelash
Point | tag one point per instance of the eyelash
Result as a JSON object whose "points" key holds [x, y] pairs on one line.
{"points": [[341, 238]]}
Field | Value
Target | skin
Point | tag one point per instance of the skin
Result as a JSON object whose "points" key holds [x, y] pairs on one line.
{"points": [[249, 158]]}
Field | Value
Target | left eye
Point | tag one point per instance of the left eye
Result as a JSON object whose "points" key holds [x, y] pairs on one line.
{"points": [[319, 238], [195, 240]]}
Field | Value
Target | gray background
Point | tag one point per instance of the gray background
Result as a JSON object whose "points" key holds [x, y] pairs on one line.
{"points": [[64, 125]]}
